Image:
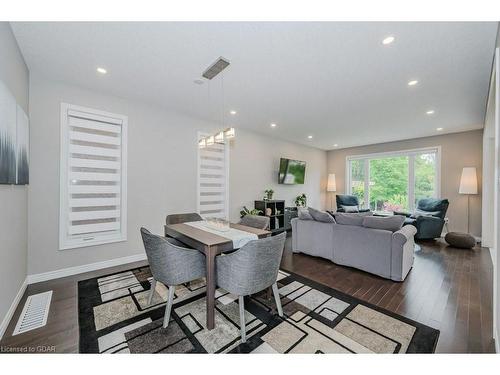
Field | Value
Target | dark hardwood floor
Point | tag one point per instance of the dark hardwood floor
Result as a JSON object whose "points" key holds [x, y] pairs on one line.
{"points": [[448, 289]]}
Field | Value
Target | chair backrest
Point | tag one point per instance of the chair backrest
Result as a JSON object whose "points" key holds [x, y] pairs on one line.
{"points": [[255, 266], [183, 218], [255, 221], [346, 200], [437, 206], [168, 262]]}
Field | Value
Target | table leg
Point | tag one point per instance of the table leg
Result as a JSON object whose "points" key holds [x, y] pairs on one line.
{"points": [[210, 259]]}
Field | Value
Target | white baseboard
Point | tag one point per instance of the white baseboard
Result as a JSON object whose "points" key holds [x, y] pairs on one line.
{"points": [[12, 308], [39, 277]]}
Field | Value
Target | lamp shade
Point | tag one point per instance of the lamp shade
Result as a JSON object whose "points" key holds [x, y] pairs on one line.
{"points": [[468, 181], [331, 185]]}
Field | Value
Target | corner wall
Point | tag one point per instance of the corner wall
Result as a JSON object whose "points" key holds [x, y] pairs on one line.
{"points": [[458, 150], [13, 199]]}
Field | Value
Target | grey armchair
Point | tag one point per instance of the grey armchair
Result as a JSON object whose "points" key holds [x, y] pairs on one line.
{"points": [[428, 218], [251, 269], [171, 264], [255, 221]]}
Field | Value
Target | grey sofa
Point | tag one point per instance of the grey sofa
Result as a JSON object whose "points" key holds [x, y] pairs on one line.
{"points": [[377, 251]]}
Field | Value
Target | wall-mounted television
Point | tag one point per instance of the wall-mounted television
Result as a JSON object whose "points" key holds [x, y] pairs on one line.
{"points": [[292, 172]]}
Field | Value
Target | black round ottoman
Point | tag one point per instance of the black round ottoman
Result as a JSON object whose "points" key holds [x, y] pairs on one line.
{"points": [[461, 240]]}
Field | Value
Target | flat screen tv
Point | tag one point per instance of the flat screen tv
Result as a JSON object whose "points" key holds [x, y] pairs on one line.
{"points": [[292, 172]]}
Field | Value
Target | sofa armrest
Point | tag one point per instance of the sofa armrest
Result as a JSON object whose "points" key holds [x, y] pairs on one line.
{"points": [[404, 234], [402, 248]]}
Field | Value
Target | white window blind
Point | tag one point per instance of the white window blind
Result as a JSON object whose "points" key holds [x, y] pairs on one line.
{"points": [[213, 177], [93, 190]]}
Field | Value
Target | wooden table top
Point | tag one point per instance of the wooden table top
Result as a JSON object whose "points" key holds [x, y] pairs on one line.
{"points": [[212, 239]]}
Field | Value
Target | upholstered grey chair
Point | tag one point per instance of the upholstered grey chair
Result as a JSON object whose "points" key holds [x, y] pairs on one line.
{"points": [[171, 264], [255, 221], [251, 269], [183, 218]]}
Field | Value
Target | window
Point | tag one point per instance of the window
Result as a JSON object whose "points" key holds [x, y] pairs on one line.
{"points": [[93, 173], [394, 181], [213, 180]]}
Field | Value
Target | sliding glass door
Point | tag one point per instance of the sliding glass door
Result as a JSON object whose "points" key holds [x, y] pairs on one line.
{"points": [[389, 184], [394, 181]]}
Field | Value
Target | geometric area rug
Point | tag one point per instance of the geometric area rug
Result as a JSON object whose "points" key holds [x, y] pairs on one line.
{"points": [[114, 318]]}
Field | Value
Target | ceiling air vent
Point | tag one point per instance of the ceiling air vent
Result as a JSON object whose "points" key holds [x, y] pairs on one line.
{"points": [[35, 313], [216, 68]]}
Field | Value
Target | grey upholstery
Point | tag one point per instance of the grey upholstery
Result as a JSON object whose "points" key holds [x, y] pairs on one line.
{"points": [[377, 251], [183, 218], [252, 268], [348, 200], [322, 216], [171, 264], [255, 221], [391, 223]]}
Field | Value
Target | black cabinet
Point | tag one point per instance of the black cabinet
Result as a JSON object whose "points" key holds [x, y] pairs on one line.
{"points": [[275, 210]]}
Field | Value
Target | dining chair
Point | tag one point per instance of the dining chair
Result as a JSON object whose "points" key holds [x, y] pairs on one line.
{"points": [[251, 269], [183, 218], [171, 264], [255, 221]]}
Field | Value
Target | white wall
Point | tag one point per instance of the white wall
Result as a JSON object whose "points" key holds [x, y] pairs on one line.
{"points": [[162, 169], [13, 199], [254, 166]]}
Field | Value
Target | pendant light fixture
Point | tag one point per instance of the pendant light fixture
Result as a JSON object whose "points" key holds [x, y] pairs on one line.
{"points": [[228, 133]]}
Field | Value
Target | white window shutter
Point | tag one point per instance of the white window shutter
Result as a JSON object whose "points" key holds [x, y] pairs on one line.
{"points": [[93, 185], [213, 180]]}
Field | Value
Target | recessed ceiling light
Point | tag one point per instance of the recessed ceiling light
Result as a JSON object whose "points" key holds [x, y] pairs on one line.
{"points": [[198, 82], [335, 145], [430, 112], [439, 129], [101, 70], [233, 112], [388, 40], [310, 136], [412, 82], [273, 125]]}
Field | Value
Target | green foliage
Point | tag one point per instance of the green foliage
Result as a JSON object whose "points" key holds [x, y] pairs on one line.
{"points": [[268, 194], [301, 200], [246, 211], [389, 181]]}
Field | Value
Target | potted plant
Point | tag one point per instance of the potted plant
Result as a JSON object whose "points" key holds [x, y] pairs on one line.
{"points": [[268, 194], [245, 211], [301, 200]]}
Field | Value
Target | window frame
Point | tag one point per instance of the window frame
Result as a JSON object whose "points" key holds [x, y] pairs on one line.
{"points": [[67, 242], [410, 153]]}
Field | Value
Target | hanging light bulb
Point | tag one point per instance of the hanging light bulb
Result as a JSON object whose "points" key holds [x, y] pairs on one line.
{"points": [[229, 133], [219, 137], [202, 143], [210, 140]]}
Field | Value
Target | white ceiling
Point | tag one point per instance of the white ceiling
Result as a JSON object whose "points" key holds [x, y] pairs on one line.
{"points": [[334, 81]]}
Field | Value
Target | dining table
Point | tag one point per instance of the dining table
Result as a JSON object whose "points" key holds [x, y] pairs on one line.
{"points": [[211, 244]]}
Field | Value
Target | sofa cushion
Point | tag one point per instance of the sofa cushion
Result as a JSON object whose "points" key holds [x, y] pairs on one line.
{"points": [[322, 216], [303, 214], [350, 209], [351, 218], [391, 223]]}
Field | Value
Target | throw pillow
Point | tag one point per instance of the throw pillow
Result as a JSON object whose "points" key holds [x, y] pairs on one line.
{"points": [[350, 209], [418, 213], [351, 218], [304, 214], [321, 216], [391, 223]]}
